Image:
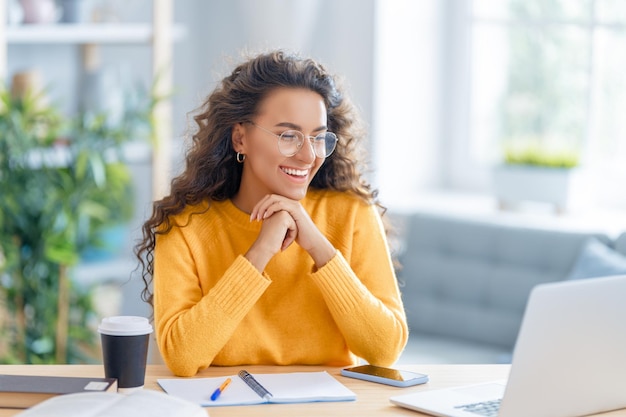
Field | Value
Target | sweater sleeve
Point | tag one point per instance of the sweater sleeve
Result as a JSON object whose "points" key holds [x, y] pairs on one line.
{"points": [[192, 327], [363, 294]]}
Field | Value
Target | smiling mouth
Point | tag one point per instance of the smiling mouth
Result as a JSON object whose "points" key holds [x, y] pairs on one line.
{"points": [[295, 172]]}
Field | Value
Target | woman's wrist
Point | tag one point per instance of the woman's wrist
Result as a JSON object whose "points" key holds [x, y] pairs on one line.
{"points": [[322, 254], [258, 257]]}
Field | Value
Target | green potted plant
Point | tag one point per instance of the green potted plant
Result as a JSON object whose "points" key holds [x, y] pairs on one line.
{"points": [[534, 171], [62, 182]]}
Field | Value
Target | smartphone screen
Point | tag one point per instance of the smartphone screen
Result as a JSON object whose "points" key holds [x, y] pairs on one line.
{"points": [[384, 375], [389, 373]]}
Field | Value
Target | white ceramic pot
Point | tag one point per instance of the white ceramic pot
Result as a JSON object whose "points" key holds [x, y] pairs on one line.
{"points": [[517, 183]]}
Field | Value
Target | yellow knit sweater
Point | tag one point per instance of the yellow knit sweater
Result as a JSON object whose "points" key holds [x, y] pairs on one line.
{"points": [[212, 307]]}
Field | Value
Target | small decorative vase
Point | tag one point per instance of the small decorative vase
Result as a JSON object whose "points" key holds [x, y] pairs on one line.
{"points": [[74, 11], [40, 11]]}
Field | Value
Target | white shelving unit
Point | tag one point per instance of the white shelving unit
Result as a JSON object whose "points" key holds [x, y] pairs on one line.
{"points": [[159, 36]]}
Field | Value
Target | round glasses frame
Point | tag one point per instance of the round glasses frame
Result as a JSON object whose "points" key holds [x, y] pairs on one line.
{"points": [[290, 142]]}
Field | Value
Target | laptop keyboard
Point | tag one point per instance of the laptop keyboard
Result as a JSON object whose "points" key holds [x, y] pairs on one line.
{"points": [[485, 408]]}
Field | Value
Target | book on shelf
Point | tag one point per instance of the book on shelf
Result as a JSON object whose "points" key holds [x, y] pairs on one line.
{"points": [[144, 402], [247, 389], [23, 391]]}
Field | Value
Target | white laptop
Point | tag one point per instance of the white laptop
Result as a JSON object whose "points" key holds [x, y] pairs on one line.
{"points": [[569, 359]]}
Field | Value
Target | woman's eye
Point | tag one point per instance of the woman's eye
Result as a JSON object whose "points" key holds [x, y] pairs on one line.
{"points": [[289, 137]]}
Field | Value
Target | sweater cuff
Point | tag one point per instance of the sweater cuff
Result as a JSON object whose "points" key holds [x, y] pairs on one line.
{"points": [[341, 288], [240, 288]]}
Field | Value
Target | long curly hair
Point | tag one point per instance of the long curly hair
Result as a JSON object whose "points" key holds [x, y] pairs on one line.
{"points": [[211, 171]]}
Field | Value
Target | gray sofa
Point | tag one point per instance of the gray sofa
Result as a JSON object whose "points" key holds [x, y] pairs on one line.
{"points": [[465, 282]]}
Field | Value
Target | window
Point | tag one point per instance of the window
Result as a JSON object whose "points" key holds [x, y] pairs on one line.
{"points": [[550, 71], [456, 80]]}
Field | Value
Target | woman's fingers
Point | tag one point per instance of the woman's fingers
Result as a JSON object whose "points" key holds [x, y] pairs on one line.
{"points": [[271, 204], [290, 237], [259, 209]]}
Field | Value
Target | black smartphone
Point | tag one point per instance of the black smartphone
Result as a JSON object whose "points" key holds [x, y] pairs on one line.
{"points": [[388, 376]]}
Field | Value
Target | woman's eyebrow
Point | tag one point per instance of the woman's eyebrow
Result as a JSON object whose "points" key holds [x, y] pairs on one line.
{"points": [[297, 127]]}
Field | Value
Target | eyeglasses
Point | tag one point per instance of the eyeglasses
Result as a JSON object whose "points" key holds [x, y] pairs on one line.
{"points": [[290, 142]]}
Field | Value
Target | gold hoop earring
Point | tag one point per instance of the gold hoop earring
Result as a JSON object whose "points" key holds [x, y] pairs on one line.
{"points": [[240, 157]]}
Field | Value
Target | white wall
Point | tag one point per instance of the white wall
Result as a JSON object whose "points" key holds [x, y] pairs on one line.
{"points": [[408, 102], [340, 35]]}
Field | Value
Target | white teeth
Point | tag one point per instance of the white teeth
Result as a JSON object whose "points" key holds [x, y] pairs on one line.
{"points": [[295, 172]]}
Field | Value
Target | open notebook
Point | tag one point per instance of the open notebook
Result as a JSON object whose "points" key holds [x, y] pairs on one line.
{"points": [[294, 387], [569, 359]]}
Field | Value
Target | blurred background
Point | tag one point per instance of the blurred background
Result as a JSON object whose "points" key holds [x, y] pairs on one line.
{"points": [[453, 92]]}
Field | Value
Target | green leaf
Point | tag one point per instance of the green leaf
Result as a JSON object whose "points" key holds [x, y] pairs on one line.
{"points": [[98, 170], [534, 152], [80, 167], [61, 251]]}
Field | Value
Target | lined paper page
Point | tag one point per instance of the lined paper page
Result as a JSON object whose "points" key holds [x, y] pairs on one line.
{"points": [[295, 387], [304, 387]]}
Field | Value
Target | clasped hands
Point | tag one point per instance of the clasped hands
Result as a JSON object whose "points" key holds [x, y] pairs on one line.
{"points": [[285, 221]]}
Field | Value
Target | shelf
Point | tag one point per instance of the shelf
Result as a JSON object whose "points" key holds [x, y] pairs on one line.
{"points": [[58, 156], [101, 33]]}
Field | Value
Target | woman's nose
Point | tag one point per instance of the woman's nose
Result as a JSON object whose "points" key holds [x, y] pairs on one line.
{"points": [[306, 152]]}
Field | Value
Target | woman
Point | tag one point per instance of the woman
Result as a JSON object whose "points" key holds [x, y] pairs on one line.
{"points": [[270, 248]]}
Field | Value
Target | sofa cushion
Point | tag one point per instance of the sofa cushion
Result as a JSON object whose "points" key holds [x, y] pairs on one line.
{"points": [[596, 260]]}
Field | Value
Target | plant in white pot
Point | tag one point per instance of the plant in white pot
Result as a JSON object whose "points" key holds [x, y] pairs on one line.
{"points": [[535, 172]]}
